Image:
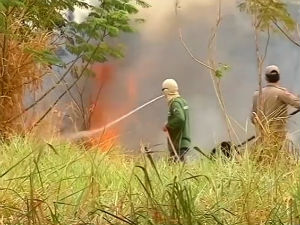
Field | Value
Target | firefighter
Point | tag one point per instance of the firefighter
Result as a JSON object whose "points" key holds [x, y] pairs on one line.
{"points": [[270, 118], [178, 125]]}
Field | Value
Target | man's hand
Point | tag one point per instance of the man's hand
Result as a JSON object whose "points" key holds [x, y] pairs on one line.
{"points": [[254, 118]]}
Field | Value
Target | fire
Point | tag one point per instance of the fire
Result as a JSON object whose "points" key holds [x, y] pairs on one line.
{"points": [[109, 102], [106, 140]]}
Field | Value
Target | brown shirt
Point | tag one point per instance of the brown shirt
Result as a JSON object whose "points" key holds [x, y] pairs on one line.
{"points": [[275, 101]]}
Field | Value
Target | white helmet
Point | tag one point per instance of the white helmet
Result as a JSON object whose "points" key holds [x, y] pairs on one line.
{"points": [[170, 85], [272, 69]]}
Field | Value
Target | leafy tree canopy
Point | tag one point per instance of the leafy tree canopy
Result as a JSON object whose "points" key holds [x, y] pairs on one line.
{"points": [[106, 18], [268, 12]]}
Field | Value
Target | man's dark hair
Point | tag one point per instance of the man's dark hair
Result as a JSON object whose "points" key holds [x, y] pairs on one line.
{"points": [[273, 77]]}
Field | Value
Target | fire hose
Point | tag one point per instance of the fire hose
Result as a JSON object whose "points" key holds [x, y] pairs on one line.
{"points": [[83, 134], [241, 144]]}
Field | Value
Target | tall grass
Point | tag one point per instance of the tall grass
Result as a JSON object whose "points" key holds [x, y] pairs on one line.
{"points": [[64, 184]]}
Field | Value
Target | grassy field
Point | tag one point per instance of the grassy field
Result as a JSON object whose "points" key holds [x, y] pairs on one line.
{"points": [[65, 184]]}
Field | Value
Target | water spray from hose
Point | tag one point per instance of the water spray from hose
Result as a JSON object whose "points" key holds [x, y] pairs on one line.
{"points": [[83, 134]]}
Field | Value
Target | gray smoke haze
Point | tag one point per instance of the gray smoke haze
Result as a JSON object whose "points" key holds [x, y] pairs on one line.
{"points": [[155, 53]]}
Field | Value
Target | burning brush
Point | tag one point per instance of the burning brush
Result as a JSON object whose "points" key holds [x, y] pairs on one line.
{"points": [[87, 134]]}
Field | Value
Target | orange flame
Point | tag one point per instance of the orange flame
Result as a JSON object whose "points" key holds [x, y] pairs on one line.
{"points": [[107, 107]]}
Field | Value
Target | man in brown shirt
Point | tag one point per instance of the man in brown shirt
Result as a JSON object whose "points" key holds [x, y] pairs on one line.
{"points": [[270, 119]]}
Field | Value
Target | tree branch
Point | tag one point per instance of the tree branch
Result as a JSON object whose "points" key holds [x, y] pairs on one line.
{"points": [[267, 45], [83, 111], [285, 34], [71, 95], [44, 95], [191, 54], [66, 91], [211, 65], [216, 81], [96, 103], [29, 82]]}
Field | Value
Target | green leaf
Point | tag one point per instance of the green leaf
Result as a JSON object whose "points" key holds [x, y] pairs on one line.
{"points": [[268, 11], [45, 57], [15, 3], [2, 7], [130, 9], [112, 31], [143, 4], [219, 73], [127, 28]]}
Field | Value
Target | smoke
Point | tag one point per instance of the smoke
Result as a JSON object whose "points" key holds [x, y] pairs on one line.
{"points": [[155, 53]]}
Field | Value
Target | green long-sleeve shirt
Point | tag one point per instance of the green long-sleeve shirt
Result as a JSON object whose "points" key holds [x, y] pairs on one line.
{"points": [[179, 123]]}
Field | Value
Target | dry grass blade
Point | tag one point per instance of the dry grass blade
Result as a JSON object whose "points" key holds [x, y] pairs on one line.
{"points": [[18, 66], [125, 220], [202, 192], [149, 157], [52, 148], [15, 165]]}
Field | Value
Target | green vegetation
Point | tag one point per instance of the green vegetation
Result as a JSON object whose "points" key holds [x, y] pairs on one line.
{"points": [[63, 184], [31, 33], [268, 14]]}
